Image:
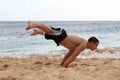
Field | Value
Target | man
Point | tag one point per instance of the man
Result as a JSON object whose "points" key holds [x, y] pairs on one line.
{"points": [[75, 44]]}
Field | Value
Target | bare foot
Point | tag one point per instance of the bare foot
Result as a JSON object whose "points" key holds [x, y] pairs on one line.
{"points": [[30, 25], [34, 32]]}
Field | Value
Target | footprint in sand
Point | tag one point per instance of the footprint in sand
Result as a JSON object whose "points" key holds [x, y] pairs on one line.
{"points": [[8, 78], [38, 62], [4, 67], [48, 63], [84, 64]]}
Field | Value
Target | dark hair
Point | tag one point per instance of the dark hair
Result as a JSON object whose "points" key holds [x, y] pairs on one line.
{"points": [[93, 39]]}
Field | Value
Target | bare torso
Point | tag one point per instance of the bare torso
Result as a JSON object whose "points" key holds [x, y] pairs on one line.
{"points": [[71, 42]]}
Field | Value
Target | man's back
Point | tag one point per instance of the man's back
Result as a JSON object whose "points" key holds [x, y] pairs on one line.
{"points": [[71, 42]]}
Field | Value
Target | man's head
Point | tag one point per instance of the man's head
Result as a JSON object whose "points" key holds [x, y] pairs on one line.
{"points": [[93, 43]]}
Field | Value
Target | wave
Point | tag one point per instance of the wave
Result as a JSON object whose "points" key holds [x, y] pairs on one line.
{"points": [[2, 38], [107, 52]]}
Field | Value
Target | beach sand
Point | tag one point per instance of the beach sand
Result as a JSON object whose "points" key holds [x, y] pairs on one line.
{"points": [[49, 69]]}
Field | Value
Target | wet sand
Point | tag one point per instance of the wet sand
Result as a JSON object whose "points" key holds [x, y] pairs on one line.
{"points": [[49, 69]]}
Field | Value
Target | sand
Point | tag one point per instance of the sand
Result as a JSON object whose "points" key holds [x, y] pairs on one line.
{"points": [[49, 69]]}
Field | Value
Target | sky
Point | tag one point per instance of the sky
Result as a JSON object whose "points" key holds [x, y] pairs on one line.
{"points": [[59, 10]]}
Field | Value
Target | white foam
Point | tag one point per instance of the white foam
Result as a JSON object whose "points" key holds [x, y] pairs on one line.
{"points": [[107, 52], [3, 38]]}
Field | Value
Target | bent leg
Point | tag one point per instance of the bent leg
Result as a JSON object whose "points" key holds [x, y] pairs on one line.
{"points": [[41, 26], [35, 32]]}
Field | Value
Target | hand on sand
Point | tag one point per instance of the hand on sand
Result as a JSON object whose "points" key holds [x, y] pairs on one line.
{"points": [[30, 25]]}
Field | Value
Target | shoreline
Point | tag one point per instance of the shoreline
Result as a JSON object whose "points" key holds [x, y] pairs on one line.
{"points": [[49, 69], [107, 52]]}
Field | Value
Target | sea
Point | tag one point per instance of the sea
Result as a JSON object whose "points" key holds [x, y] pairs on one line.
{"points": [[15, 41]]}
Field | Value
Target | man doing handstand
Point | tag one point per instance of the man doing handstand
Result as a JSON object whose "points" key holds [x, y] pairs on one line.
{"points": [[75, 44]]}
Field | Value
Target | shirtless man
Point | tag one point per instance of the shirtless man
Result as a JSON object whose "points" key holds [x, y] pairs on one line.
{"points": [[75, 44]]}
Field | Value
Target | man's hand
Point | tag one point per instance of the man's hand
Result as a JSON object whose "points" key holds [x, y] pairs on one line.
{"points": [[76, 52]]}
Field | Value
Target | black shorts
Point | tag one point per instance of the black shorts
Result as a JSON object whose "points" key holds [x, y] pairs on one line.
{"points": [[57, 35]]}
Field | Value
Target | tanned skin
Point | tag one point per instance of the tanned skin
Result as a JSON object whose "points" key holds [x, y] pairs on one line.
{"points": [[75, 44]]}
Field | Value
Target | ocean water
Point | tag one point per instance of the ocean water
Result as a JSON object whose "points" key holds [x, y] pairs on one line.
{"points": [[15, 41]]}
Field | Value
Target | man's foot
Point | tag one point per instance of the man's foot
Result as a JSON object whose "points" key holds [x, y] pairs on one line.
{"points": [[30, 25], [34, 32]]}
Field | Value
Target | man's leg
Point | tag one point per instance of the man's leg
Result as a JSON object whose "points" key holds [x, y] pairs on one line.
{"points": [[35, 32], [66, 57], [41, 26]]}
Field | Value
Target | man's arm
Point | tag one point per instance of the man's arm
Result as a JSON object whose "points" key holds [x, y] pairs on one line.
{"points": [[66, 57], [76, 52]]}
